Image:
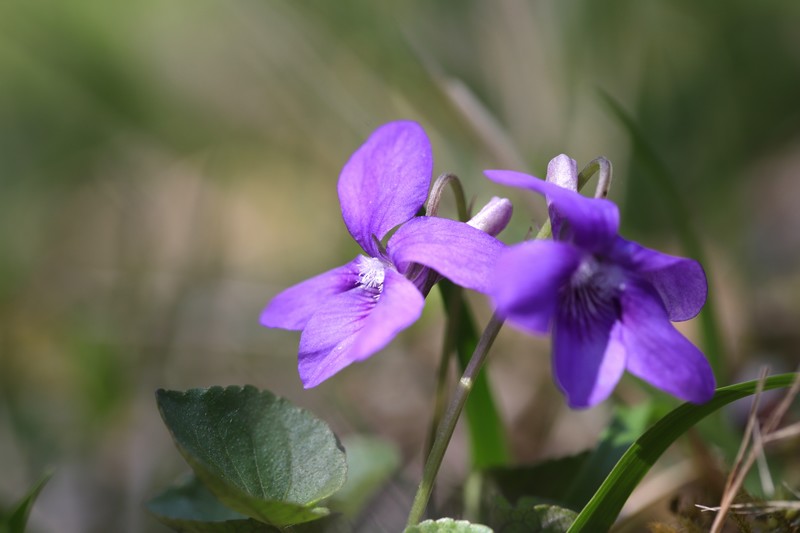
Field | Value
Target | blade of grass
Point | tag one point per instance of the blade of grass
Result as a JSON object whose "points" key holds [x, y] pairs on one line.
{"points": [[17, 519], [602, 510]]}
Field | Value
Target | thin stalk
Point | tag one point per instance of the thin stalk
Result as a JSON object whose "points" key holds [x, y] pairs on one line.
{"points": [[432, 209], [448, 346], [448, 425], [601, 165], [451, 416]]}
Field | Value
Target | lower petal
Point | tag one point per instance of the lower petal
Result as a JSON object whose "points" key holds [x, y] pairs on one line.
{"points": [[293, 307], [527, 280], [354, 325], [588, 356], [657, 352]]}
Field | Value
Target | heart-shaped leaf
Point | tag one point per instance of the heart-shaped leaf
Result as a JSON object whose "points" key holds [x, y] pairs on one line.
{"points": [[257, 453]]}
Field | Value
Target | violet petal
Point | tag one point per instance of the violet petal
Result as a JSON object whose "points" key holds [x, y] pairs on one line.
{"points": [[588, 355], [657, 352], [293, 307], [680, 282], [588, 222], [457, 251], [354, 325], [385, 182], [528, 279]]}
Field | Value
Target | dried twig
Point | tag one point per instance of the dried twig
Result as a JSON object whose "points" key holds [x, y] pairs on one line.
{"points": [[742, 466]]}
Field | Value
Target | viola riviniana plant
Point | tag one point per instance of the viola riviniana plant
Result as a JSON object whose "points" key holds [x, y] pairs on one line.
{"points": [[608, 301], [349, 313]]}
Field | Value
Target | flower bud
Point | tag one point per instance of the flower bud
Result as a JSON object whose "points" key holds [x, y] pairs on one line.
{"points": [[563, 171], [494, 216]]}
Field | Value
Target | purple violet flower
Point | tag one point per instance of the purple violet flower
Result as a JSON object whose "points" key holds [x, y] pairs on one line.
{"points": [[349, 313], [608, 301]]}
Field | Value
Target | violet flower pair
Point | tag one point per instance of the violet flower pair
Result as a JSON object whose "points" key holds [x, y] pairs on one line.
{"points": [[608, 301]]}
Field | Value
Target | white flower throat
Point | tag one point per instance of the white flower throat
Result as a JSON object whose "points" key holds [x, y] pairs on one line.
{"points": [[371, 273]]}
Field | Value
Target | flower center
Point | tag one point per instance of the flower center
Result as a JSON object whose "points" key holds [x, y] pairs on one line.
{"points": [[371, 273], [587, 270], [594, 290]]}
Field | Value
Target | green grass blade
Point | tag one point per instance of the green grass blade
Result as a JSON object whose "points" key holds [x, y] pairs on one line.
{"points": [[487, 437], [602, 510], [17, 520], [679, 215]]}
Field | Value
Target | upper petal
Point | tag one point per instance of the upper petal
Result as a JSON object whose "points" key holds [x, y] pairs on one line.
{"points": [[457, 251], [353, 325], [588, 222], [527, 281], [293, 307], [385, 182], [588, 354], [657, 352], [680, 282]]}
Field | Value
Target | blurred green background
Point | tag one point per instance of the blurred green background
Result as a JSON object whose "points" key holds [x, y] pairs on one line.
{"points": [[167, 167]]}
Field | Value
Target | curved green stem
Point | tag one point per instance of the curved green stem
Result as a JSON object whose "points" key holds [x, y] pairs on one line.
{"points": [[432, 209], [437, 190], [451, 416]]}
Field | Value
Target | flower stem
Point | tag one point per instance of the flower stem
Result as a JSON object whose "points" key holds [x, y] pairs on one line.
{"points": [[444, 364], [437, 190], [448, 424]]}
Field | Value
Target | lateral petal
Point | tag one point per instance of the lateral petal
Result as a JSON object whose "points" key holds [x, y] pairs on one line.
{"points": [[680, 282], [457, 251], [587, 222], [527, 280], [354, 325], [385, 182], [293, 307], [657, 352]]}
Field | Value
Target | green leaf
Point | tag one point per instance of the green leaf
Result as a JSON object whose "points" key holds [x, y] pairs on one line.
{"points": [[371, 462], [487, 437], [529, 515], [548, 480], [17, 519], [627, 424], [569, 481], [447, 525], [190, 507], [601, 511], [257, 453]]}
